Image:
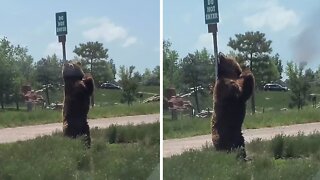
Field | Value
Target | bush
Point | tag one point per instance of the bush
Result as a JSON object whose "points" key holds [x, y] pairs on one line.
{"points": [[277, 146], [134, 134], [112, 134]]}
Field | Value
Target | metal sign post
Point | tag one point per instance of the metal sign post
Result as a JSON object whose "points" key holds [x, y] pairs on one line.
{"points": [[61, 30], [62, 39], [212, 18], [213, 28]]}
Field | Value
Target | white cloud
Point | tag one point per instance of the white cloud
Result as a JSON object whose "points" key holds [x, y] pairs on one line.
{"points": [[53, 48], [204, 41], [272, 15], [105, 29], [129, 41]]}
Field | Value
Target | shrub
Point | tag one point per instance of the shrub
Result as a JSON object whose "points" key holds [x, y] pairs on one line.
{"points": [[277, 146]]}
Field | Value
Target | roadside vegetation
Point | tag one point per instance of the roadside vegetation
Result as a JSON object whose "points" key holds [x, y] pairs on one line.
{"points": [[282, 157], [107, 105], [119, 152], [272, 110], [13, 118], [187, 126], [105, 97]]}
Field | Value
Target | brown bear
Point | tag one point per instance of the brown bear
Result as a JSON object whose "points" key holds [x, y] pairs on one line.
{"points": [[77, 91], [231, 91]]}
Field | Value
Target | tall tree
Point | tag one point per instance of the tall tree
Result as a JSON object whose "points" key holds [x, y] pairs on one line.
{"points": [[137, 76], [252, 47], [197, 70], [298, 84], [310, 75], [156, 73], [128, 83], [146, 75], [91, 54], [170, 67], [151, 78], [278, 63], [114, 69], [15, 69], [48, 73], [6, 73], [103, 72], [317, 76], [267, 71], [23, 70]]}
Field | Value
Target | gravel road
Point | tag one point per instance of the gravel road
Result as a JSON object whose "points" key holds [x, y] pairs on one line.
{"points": [[177, 146], [8, 135]]}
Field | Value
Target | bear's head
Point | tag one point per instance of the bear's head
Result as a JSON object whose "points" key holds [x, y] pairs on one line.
{"points": [[72, 71], [228, 67]]}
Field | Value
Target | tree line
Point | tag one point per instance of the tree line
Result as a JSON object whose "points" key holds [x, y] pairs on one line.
{"points": [[253, 51], [18, 68]]}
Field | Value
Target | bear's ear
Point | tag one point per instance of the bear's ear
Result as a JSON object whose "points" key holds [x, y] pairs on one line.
{"points": [[221, 56], [79, 63]]}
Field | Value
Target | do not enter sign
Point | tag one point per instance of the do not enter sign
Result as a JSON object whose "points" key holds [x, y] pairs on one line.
{"points": [[61, 23], [211, 11]]}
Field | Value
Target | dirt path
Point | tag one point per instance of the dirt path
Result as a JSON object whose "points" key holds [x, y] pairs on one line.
{"points": [[8, 135], [177, 146]]}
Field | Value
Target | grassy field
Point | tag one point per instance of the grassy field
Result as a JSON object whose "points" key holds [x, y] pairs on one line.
{"points": [[187, 126], [107, 105], [12, 118], [107, 96], [265, 100], [269, 114], [293, 158], [119, 152]]}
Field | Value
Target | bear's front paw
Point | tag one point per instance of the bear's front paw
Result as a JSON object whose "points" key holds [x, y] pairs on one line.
{"points": [[88, 81], [247, 84]]}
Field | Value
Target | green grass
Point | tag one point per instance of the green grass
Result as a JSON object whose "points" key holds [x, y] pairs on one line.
{"points": [[270, 101], [124, 110], [107, 105], [271, 119], [187, 126], [12, 118], [149, 89], [264, 100], [106, 96], [299, 160], [136, 156]]}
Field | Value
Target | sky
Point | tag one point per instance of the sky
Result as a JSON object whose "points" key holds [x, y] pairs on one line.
{"points": [[293, 26], [130, 30]]}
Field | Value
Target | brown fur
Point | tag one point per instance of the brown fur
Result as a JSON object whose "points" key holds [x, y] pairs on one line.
{"points": [[232, 89], [77, 91]]}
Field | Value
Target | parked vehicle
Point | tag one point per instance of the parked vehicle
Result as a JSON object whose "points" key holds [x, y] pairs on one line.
{"points": [[274, 87], [110, 86]]}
